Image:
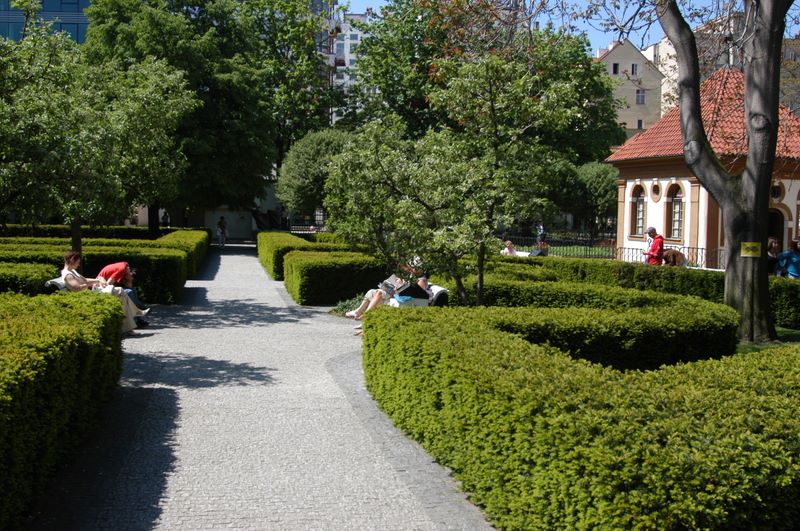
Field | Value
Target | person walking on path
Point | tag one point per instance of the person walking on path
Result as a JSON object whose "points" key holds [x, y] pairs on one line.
{"points": [[222, 231], [240, 409]]}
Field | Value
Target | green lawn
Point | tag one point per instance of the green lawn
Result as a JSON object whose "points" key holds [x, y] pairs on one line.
{"points": [[785, 336]]}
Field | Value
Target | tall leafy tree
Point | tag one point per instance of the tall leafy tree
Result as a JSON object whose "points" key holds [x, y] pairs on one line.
{"points": [[444, 195], [595, 193], [301, 185], [396, 65], [85, 142], [254, 67]]}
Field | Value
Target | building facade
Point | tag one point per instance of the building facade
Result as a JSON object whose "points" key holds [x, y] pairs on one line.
{"points": [[638, 84], [66, 15], [657, 189]]}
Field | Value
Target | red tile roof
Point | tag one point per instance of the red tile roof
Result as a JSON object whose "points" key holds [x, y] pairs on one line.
{"points": [[722, 106]]}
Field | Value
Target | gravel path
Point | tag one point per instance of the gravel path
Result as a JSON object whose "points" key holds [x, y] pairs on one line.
{"points": [[239, 409]]}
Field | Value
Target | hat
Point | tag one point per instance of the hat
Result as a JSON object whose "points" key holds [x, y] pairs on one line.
{"points": [[650, 229]]}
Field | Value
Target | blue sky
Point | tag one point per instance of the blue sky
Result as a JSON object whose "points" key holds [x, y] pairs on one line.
{"points": [[597, 38]]}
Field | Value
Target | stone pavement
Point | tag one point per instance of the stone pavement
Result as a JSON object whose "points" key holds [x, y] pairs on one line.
{"points": [[239, 409]]}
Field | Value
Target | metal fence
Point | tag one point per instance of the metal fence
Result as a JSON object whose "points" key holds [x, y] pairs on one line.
{"points": [[698, 257]]}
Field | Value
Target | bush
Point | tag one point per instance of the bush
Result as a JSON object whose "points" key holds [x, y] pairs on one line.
{"points": [[161, 273], [301, 185], [272, 246], [60, 359], [321, 278], [706, 284], [545, 441], [25, 278], [65, 231]]}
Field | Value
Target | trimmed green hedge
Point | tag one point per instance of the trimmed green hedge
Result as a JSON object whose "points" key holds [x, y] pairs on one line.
{"points": [[273, 246], [25, 278], [706, 284], [161, 273], [193, 242], [60, 359], [545, 441], [65, 231], [319, 278]]}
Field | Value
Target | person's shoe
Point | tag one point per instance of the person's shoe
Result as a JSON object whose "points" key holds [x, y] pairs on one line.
{"points": [[358, 326], [142, 313], [141, 323], [351, 313]]}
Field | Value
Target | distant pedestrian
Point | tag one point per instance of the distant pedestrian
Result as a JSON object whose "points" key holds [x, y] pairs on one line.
{"points": [[541, 236], [165, 219], [222, 231]]}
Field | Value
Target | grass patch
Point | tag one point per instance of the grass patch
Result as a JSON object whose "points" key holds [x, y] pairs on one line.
{"points": [[786, 336], [346, 305]]}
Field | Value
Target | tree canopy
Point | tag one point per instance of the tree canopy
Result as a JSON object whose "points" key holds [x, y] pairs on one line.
{"points": [[301, 184], [501, 151], [255, 68], [81, 141]]}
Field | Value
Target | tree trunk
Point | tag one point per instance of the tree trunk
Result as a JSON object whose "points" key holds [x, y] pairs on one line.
{"points": [[744, 199], [462, 291], [479, 280], [153, 221], [746, 278], [75, 233]]}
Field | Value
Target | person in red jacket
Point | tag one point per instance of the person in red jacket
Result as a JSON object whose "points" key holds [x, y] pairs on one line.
{"points": [[121, 274], [655, 254]]}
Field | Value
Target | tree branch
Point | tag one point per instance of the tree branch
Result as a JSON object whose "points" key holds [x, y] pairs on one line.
{"points": [[700, 157]]}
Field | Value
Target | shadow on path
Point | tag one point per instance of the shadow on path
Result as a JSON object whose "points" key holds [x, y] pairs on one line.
{"points": [[117, 478], [181, 370]]}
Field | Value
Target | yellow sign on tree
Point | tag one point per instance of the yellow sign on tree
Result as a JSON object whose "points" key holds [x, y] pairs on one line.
{"points": [[751, 249]]}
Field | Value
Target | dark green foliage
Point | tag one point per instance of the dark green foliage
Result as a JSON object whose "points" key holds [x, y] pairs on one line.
{"points": [[25, 278], [60, 359], [320, 278], [303, 174], [544, 441], [706, 284], [272, 246], [160, 273], [63, 231], [324, 237]]}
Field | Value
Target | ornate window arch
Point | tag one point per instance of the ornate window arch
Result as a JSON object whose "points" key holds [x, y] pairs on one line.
{"points": [[675, 213], [637, 209]]}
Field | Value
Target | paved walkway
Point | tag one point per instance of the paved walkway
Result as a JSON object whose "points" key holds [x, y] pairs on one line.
{"points": [[239, 409]]}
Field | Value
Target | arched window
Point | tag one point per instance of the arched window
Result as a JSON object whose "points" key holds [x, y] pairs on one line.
{"points": [[674, 224], [637, 211]]}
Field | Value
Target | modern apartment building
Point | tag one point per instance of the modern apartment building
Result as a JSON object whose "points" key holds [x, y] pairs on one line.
{"points": [[638, 84], [66, 15], [345, 57]]}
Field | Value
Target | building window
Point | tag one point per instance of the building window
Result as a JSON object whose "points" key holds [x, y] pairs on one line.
{"points": [[340, 36], [340, 48], [352, 62], [639, 96], [639, 124], [637, 211], [353, 47], [634, 69], [674, 224], [615, 69], [354, 36]]}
